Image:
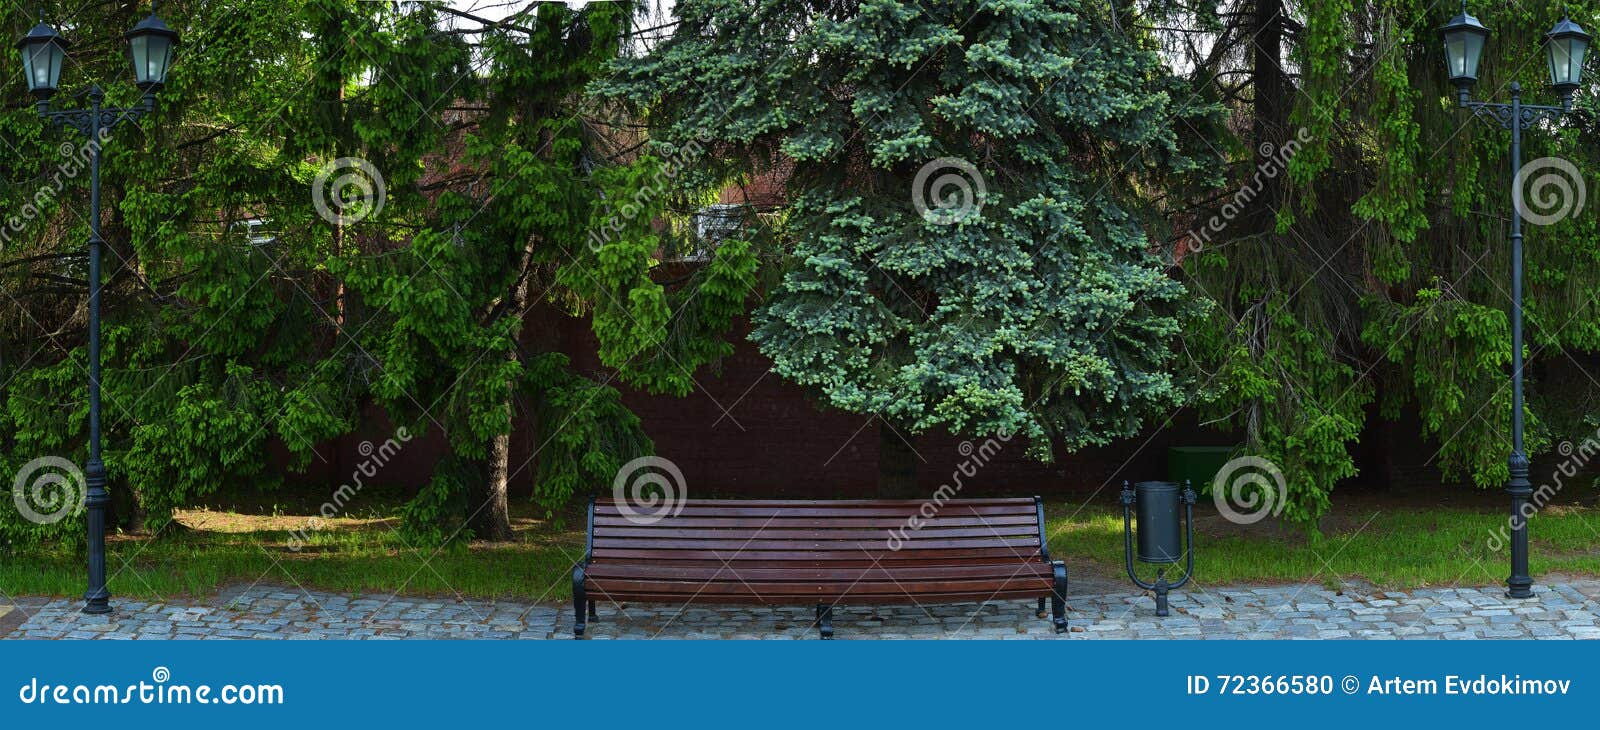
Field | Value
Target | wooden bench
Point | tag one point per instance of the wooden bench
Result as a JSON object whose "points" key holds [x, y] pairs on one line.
{"points": [[784, 552]]}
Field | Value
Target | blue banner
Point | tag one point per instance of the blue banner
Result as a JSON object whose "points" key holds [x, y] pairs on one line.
{"points": [[800, 684]]}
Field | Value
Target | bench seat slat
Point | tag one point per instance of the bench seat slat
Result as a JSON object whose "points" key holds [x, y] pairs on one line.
{"points": [[903, 511], [758, 556], [875, 545], [735, 587], [786, 522], [1016, 501], [784, 600], [816, 574], [780, 533], [835, 561]]}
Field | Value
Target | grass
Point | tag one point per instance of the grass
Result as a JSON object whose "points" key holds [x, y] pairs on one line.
{"points": [[1389, 543], [215, 546], [1400, 548]]}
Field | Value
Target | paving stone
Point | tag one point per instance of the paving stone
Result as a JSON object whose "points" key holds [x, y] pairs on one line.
{"points": [[1560, 611]]}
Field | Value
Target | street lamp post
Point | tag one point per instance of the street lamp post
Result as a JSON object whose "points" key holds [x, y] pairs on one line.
{"points": [[44, 50], [1565, 46]]}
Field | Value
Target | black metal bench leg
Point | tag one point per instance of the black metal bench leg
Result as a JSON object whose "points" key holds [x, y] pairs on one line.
{"points": [[1058, 597], [825, 620], [593, 614], [580, 599], [1040, 613]]}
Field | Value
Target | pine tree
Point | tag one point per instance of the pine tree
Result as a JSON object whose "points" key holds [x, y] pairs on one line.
{"points": [[967, 248], [510, 229], [1367, 277], [224, 350]]}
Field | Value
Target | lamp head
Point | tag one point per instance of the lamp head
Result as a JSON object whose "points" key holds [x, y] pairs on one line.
{"points": [[43, 52], [150, 43], [1565, 46], [1464, 38]]}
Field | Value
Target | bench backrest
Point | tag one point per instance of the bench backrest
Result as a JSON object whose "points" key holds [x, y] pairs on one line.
{"points": [[844, 533]]}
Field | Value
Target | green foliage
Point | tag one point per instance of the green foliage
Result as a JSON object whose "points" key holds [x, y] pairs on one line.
{"points": [[437, 515], [1043, 313], [590, 433], [1367, 277], [224, 355], [447, 309], [1460, 379], [1277, 375], [1385, 279], [656, 335], [211, 349]]}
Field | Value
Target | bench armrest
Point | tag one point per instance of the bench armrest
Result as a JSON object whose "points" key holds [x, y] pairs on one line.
{"points": [[588, 545], [1044, 539]]}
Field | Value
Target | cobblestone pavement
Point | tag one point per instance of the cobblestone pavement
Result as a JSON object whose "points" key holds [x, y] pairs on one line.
{"points": [[1565, 610]]}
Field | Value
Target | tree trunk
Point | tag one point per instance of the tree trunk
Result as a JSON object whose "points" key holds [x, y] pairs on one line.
{"points": [[1270, 121], [492, 519], [492, 515], [1271, 124], [897, 465], [125, 513], [338, 250], [1271, 108]]}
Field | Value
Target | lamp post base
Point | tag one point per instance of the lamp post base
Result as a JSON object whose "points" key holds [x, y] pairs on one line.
{"points": [[1520, 584], [97, 599]]}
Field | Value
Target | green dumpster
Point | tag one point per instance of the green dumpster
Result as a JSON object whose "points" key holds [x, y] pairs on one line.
{"points": [[1197, 464]]}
